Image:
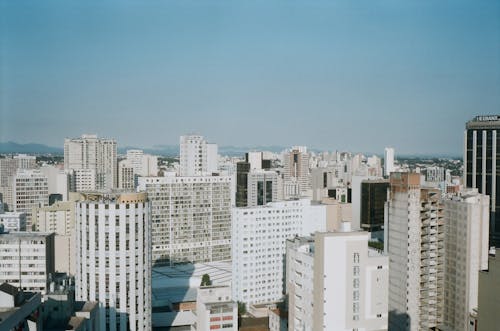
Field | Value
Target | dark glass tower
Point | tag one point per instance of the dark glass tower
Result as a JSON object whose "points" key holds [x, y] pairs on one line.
{"points": [[373, 198], [482, 165]]}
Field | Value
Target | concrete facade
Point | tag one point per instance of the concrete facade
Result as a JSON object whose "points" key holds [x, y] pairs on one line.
{"points": [[191, 218], [27, 260], [113, 267], [259, 237]]}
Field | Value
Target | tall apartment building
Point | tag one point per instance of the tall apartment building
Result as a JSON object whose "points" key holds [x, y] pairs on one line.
{"points": [[215, 309], [466, 227], [481, 147], [259, 237], [414, 240], [8, 169], [60, 219], [126, 175], [197, 157], [57, 180], [191, 218], [143, 164], [296, 174], [336, 282], [113, 263], [27, 260], [136, 164], [388, 161], [96, 157], [30, 190], [299, 275]]}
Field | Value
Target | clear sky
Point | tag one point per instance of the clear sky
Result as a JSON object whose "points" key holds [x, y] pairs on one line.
{"points": [[337, 75]]}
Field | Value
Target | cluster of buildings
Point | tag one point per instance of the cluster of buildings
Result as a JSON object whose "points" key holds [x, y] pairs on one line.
{"points": [[303, 240]]}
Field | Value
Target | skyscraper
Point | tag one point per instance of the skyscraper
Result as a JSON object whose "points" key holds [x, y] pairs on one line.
{"points": [[482, 165], [466, 226], [296, 174], [30, 190], [113, 245], [414, 241], [388, 161], [94, 162]]}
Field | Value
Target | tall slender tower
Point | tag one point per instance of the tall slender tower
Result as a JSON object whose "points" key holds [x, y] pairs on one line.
{"points": [[482, 165], [113, 245], [388, 161]]}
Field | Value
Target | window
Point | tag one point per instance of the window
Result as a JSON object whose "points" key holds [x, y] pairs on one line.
{"points": [[355, 271], [355, 283], [356, 257]]}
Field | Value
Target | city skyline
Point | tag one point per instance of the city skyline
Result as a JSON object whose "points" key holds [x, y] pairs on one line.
{"points": [[333, 76]]}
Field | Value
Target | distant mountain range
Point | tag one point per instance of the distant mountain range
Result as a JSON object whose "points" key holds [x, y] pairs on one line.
{"points": [[31, 148], [173, 150], [11, 147]]}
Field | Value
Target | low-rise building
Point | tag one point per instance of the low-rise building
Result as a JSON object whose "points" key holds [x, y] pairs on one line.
{"points": [[19, 310]]}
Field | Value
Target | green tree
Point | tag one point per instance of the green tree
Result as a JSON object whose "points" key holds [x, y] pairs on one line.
{"points": [[205, 280], [242, 308]]}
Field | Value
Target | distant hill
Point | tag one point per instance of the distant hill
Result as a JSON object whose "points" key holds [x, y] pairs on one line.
{"points": [[173, 150], [11, 147]]}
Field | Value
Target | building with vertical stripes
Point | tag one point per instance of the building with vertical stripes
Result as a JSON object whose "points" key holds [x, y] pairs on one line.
{"points": [[482, 165], [113, 267]]}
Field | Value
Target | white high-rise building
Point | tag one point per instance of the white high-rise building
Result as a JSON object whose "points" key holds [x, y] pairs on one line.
{"points": [[350, 283], [97, 156], [60, 219], [136, 164], [191, 218], [143, 164], [296, 173], [57, 180], [259, 237], [25, 161], [197, 157], [388, 161], [30, 190], [466, 245], [27, 260], [126, 175], [300, 283], [114, 258], [212, 158], [8, 169], [414, 240]]}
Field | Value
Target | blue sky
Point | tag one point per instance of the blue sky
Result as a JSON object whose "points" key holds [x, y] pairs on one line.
{"points": [[336, 75]]}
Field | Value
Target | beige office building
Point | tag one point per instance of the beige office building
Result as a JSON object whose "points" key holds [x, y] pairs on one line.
{"points": [[59, 218], [414, 240]]}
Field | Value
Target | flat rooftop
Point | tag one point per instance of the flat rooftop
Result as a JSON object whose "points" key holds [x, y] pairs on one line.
{"points": [[179, 283]]}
